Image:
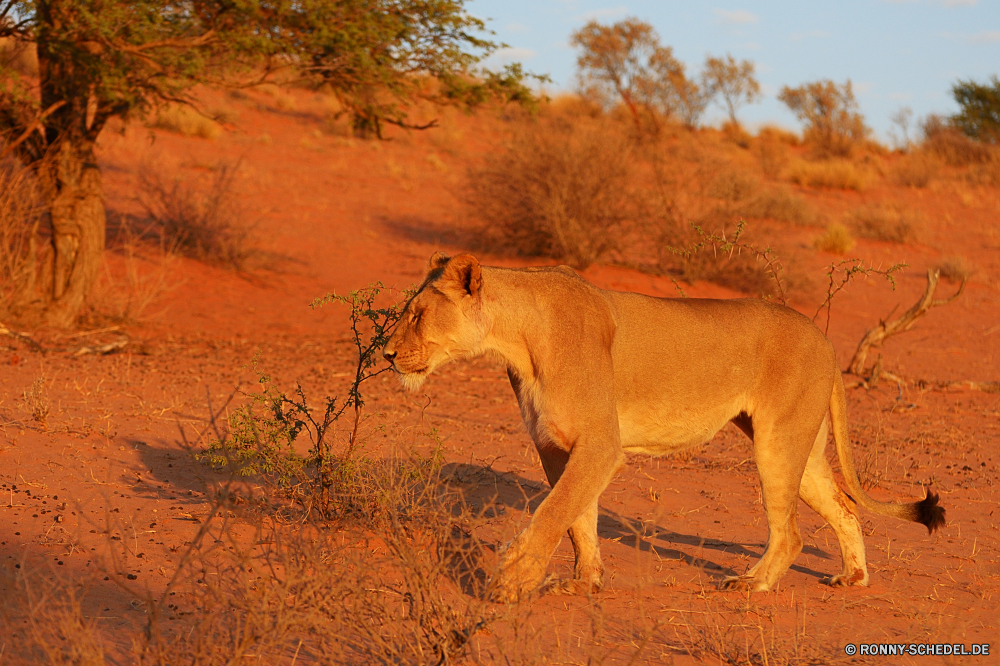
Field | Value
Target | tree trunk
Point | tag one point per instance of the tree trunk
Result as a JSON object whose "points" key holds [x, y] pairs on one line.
{"points": [[78, 226]]}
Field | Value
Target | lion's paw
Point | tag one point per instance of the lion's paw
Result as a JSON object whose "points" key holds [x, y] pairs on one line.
{"points": [[573, 586], [858, 577]]}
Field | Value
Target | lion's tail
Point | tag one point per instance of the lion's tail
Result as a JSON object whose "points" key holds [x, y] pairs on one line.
{"points": [[926, 511]]}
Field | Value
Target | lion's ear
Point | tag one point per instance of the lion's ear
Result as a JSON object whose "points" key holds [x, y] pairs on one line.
{"points": [[437, 261], [463, 272]]}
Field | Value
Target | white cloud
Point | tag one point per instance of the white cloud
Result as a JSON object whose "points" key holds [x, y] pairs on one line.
{"points": [[610, 12], [900, 2], [741, 16], [809, 34], [960, 3], [900, 97], [985, 37], [862, 87], [510, 54], [517, 27]]}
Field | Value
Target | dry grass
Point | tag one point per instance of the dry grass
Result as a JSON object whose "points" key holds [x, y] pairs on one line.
{"points": [[186, 121], [21, 209], [207, 223], [837, 240], [834, 173], [135, 275], [558, 189], [886, 222]]}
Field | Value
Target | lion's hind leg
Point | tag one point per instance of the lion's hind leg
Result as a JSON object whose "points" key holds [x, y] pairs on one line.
{"points": [[820, 491], [780, 466]]}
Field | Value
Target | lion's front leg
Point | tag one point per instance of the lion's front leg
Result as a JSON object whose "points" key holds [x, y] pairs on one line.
{"points": [[572, 506]]}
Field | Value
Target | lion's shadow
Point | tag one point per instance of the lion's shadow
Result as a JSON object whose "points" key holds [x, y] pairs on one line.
{"points": [[492, 490]]}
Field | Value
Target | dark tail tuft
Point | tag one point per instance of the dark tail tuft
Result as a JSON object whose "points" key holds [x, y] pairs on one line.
{"points": [[929, 513]]}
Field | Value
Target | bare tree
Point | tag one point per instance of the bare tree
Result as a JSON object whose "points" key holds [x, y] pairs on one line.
{"points": [[901, 119], [733, 81]]}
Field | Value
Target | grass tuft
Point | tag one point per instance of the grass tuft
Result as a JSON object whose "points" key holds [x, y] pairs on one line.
{"points": [[837, 240]]}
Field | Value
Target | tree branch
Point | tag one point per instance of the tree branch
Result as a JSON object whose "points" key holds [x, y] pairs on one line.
{"points": [[876, 336], [36, 124]]}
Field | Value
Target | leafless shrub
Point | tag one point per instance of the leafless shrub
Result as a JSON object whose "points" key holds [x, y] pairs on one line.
{"points": [[886, 222], [559, 190], [209, 224], [21, 209]]}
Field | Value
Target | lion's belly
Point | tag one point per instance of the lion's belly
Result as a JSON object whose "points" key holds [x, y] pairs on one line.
{"points": [[659, 431]]}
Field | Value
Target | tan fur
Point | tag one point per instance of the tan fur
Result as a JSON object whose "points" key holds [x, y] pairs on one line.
{"points": [[598, 373]]}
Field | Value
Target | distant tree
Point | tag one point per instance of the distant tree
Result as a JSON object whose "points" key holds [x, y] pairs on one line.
{"points": [[833, 123], [616, 61], [901, 119], [626, 61], [99, 59], [980, 114], [733, 81]]}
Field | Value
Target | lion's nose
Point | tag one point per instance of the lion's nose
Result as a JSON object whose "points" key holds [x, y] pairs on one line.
{"points": [[389, 355]]}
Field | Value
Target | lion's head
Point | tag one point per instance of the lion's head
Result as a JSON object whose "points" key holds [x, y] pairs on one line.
{"points": [[441, 322]]}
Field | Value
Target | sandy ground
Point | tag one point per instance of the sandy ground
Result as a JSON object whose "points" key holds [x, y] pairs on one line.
{"points": [[110, 454]]}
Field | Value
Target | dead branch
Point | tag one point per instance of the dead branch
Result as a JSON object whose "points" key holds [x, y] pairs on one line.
{"points": [[21, 337], [100, 350], [876, 336]]}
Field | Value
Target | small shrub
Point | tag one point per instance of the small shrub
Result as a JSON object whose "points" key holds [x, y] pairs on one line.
{"points": [[558, 190], [885, 222], [949, 144], [778, 203], [36, 402], [833, 123], [208, 224], [186, 121], [772, 153], [836, 174], [735, 133], [734, 185], [778, 135], [986, 174], [954, 269], [263, 433], [836, 240], [915, 169]]}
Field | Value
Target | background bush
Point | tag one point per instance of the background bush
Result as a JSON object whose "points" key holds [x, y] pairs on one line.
{"points": [[558, 189]]}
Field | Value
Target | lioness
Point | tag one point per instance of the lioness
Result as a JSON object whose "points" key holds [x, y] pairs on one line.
{"points": [[599, 372]]}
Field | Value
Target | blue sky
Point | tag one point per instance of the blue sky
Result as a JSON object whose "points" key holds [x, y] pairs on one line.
{"points": [[895, 52]]}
